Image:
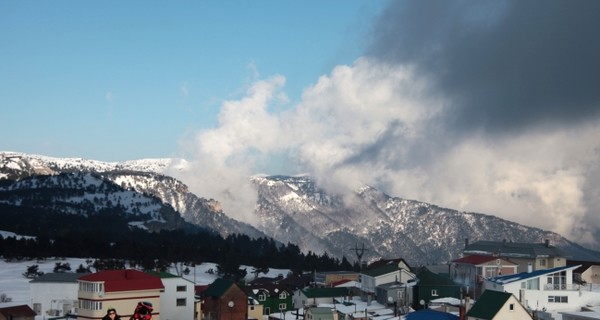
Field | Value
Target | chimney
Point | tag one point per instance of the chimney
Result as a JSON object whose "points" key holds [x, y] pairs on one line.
{"points": [[547, 243], [466, 242]]}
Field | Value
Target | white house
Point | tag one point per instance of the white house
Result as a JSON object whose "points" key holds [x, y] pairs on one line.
{"points": [[177, 300], [548, 289], [390, 273], [54, 294]]}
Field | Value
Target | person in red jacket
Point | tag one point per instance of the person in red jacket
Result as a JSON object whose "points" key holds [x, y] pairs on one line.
{"points": [[143, 311]]}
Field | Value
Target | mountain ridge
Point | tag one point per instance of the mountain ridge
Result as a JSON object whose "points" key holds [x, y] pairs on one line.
{"points": [[295, 209]]}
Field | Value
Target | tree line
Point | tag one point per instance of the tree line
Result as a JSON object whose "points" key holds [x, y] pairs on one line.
{"points": [[107, 236]]}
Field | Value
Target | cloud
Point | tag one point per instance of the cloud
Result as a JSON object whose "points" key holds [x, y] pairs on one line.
{"points": [[485, 107], [507, 65]]}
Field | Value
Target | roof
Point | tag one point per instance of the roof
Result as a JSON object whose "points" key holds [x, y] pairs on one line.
{"points": [[17, 312], [426, 277], [584, 265], [514, 249], [218, 288], [383, 262], [477, 259], [124, 280], [488, 305], [163, 275], [528, 275], [388, 268], [271, 288], [325, 292], [428, 314], [58, 277]]}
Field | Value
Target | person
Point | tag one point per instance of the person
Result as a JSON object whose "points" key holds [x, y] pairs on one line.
{"points": [[143, 311], [111, 314]]}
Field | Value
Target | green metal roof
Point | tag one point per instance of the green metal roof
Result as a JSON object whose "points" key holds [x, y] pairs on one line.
{"points": [[218, 287], [381, 270], [325, 292], [488, 305]]}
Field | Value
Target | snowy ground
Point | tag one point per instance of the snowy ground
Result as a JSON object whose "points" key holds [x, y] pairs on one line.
{"points": [[16, 287]]}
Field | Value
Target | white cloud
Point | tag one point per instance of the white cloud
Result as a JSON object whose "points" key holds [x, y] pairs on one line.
{"points": [[379, 124]]}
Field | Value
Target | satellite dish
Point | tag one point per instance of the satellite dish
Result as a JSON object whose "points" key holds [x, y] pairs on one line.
{"points": [[422, 302], [390, 300], [230, 303]]}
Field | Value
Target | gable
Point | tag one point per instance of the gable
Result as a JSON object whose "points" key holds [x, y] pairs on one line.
{"points": [[489, 304]]}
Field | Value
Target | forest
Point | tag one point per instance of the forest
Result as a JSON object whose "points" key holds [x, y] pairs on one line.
{"points": [[107, 236]]}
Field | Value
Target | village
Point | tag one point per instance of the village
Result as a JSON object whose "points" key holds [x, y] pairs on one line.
{"points": [[492, 280]]}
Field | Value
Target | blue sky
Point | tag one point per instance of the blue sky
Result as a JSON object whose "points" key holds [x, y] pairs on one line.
{"points": [[112, 80], [481, 106]]}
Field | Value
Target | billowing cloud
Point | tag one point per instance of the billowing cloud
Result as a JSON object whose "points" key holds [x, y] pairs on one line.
{"points": [[489, 107]]}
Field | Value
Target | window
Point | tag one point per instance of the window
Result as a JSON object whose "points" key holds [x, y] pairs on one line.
{"points": [[262, 297], [267, 310], [542, 262], [434, 293], [181, 302], [511, 307], [282, 306], [283, 295], [181, 288], [558, 299], [90, 305]]}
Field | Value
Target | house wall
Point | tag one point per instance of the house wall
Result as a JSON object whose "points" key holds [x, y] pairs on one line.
{"points": [[334, 277], [591, 275], [255, 311], [55, 298], [218, 309], [171, 297]]}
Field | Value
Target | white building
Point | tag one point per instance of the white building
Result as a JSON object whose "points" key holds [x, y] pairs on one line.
{"points": [[177, 300], [390, 273], [548, 289], [54, 294]]}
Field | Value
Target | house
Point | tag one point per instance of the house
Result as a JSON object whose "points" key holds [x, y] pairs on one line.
{"points": [[224, 300], [315, 296], [20, 312], [588, 272], [428, 314], [528, 256], [472, 269], [320, 313], [550, 289], [255, 309], [431, 286], [273, 297], [496, 305], [177, 299], [119, 289], [55, 294], [389, 273]]}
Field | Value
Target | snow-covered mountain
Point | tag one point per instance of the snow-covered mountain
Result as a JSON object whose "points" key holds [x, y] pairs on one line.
{"points": [[296, 210]]}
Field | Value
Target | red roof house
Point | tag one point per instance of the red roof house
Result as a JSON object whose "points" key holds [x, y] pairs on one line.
{"points": [[22, 312], [119, 289]]}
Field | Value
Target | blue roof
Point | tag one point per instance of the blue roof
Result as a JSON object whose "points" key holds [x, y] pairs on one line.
{"points": [[509, 278]]}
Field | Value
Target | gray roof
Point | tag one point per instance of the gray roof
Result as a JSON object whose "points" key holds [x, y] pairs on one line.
{"points": [[58, 277], [514, 249]]}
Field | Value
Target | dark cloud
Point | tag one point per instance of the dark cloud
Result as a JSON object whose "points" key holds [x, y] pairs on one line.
{"points": [[504, 65]]}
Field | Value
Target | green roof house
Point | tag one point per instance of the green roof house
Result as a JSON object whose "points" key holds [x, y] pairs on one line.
{"points": [[496, 305]]}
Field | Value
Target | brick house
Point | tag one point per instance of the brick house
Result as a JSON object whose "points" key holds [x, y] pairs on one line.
{"points": [[224, 300]]}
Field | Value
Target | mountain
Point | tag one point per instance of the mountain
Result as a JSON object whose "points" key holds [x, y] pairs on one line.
{"points": [[289, 209]]}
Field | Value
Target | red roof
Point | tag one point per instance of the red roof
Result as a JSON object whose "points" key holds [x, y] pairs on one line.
{"points": [[340, 282], [125, 280], [475, 259]]}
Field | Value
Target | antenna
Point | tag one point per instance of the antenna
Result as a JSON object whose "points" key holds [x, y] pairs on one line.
{"points": [[359, 254]]}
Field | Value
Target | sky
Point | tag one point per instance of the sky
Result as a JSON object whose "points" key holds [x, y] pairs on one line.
{"points": [[481, 106]]}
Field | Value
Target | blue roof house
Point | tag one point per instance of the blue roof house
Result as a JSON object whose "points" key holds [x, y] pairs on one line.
{"points": [[546, 289]]}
